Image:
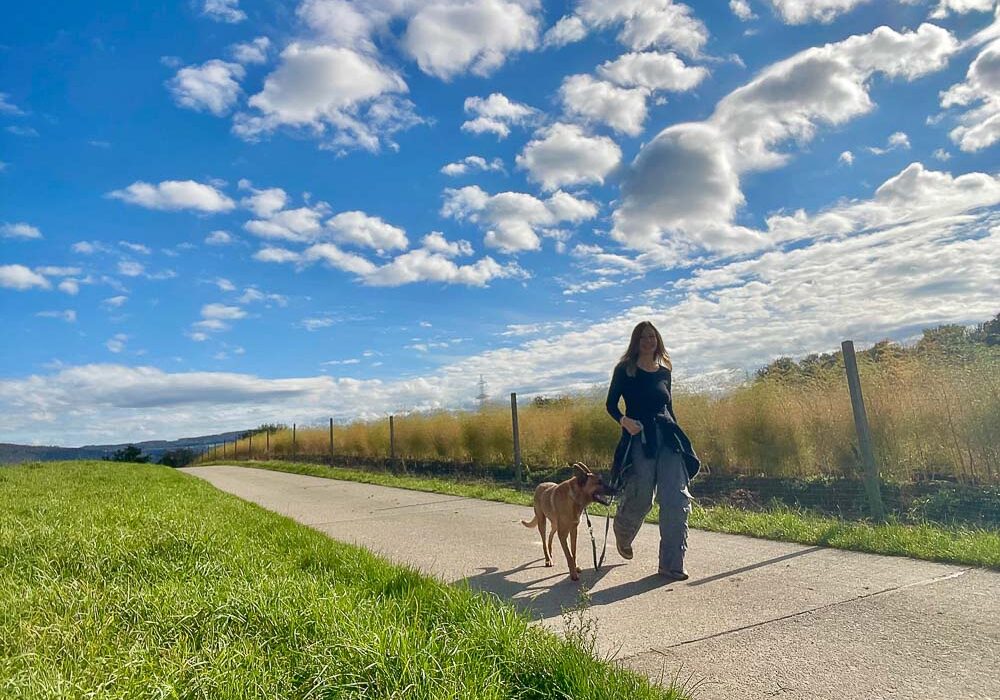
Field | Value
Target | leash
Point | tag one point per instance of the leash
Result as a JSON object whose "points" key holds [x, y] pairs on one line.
{"points": [[607, 519]]}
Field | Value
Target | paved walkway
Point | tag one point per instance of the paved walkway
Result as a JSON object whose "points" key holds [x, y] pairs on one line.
{"points": [[757, 619]]}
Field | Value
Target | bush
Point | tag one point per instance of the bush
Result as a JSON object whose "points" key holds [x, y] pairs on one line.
{"points": [[181, 457]]}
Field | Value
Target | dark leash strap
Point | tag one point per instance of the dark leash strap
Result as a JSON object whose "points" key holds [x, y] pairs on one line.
{"points": [[607, 518]]}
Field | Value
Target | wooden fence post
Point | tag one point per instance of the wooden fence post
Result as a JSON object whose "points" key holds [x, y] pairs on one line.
{"points": [[517, 438], [872, 487], [331, 442], [293, 440], [392, 441], [267, 443], [250, 447]]}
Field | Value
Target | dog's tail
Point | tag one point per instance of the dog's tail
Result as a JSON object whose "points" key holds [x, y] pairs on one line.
{"points": [[533, 523]]}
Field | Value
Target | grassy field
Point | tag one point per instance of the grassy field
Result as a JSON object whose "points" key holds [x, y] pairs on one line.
{"points": [[931, 542], [931, 417], [135, 581]]}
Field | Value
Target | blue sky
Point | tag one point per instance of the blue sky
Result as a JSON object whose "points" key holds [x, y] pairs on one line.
{"points": [[223, 212]]}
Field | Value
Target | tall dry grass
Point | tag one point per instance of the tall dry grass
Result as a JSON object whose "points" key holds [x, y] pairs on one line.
{"points": [[929, 419]]}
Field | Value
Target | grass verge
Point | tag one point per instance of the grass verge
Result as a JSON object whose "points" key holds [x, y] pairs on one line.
{"points": [[931, 542], [127, 581]]}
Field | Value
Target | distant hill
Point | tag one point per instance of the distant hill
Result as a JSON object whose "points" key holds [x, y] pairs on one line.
{"points": [[11, 453]]}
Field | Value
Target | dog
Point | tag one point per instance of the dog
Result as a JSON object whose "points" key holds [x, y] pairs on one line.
{"points": [[562, 504]]}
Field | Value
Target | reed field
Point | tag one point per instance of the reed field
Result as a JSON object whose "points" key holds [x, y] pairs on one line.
{"points": [[933, 416]]}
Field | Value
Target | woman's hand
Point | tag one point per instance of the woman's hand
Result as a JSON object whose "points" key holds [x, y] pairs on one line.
{"points": [[633, 426]]}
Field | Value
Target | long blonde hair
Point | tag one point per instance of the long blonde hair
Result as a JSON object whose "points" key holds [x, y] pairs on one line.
{"points": [[631, 357]]}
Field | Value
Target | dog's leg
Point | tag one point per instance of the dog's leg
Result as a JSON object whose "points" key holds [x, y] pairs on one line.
{"points": [[552, 534], [570, 559], [572, 547], [547, 551]]}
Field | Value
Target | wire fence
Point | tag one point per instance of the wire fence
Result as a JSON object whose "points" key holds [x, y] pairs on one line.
{"points": [[497, 444]]}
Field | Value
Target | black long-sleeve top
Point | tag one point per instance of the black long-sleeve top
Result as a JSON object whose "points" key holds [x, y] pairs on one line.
{"points": [[648, 400]]}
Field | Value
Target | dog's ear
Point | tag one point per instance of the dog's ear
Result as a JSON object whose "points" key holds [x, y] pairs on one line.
{"points": [[581, 471]]}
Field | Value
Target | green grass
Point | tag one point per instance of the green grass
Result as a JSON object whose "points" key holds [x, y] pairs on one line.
{"points": [[136, 581], [931, 542]]}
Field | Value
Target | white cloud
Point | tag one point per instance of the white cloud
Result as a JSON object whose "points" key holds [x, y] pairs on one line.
{"points": [[423, 265], [264, 203], [979, 127], [496, 114], [314, 324], [276, 255], [941, 154], [299, 225], [69, 315], [945, 7], [224, 11], [435, 242], [115, 302], [360, 229], [741, 8], [57, 271], [897, 140], [70, 286], [130, 268], [173, 195], [20, 277], [219, 238], [117, 343], [567, 30], [563, 154], [447, 38], [345, 98], [222, 312], [472, 163], [254, 51], [653, 71], [136, 247], [339, 259], [802, 11], [211, 87], [622, 109], [682, 191], [223, 284], [19, 230], [8, 107], [643, 24], [252, 294], [513, 220], [847, 158], [88, 247]]}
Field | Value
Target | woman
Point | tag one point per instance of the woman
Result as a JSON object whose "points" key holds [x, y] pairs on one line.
{"points": [[653, 453]]}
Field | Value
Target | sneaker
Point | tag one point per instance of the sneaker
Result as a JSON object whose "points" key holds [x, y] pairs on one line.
{"points": [[624, 550], [674, 575]]}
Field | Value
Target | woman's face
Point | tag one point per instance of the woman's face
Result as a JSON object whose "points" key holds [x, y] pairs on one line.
{"points": [[647, 341]]}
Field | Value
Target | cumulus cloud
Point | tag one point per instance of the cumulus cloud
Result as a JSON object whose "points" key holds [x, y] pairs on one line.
{"points": [[19, 230], [254, 51], [211, 87], [470, 163], [961, 7], [342, 96], [130, 268], [846, 158], [8, 107], [642, 24], [117, 343], [496, 114], [653, 71], [174, 195], [447, 38], [424, 265], [339, 259], [563, 154], [896, 141], [682, 191], [979, 127], [358, 228], [741, 8], [513, 221], [803, 11], [276, 255], [302, 224], [219, 237], [21, 278], [224, 11], [623, 109]]}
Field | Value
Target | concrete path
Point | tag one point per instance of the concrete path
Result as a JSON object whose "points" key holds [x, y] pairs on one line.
{"points": [[757, 619]]}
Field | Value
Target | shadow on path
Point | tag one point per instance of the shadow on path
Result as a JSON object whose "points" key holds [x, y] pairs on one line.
{"points": [[751, 567], [543, 597]]}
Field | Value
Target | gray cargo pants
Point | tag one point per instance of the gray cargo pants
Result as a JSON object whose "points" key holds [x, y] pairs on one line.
{"points": [[667, 475]]}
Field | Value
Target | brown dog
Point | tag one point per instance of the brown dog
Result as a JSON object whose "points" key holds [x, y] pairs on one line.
{"points": [[563, 503]]}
